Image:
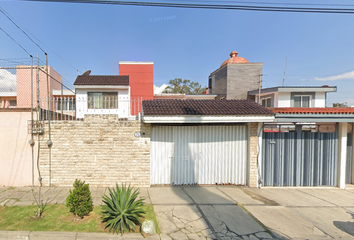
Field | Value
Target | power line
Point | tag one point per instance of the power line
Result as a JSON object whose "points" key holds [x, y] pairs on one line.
{"points": [[3, 11], [60, 82], [16, 42], [271, 3], [13, 21], [214, 6]]}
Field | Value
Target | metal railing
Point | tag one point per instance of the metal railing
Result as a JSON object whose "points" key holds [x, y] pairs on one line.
{"points": [[71, 108]]}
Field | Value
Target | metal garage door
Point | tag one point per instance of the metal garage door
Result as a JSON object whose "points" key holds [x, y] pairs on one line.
{"points": [[198, 155], [299, 159]]}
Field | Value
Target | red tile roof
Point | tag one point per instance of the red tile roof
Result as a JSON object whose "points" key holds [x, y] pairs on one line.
{"points": [[329, 110], [116, 80], [175, 107], [234, 59]]}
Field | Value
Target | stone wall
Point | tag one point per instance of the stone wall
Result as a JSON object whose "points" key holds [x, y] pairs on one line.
{"points": [[242, 78], [253, 155], [100, 151]]}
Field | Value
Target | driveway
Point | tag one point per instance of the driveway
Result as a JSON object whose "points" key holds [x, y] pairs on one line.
{"points": [[195, 212], [304, 213], [198, 212]]}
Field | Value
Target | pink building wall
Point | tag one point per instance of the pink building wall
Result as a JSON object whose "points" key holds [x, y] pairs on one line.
{"points": [[5, 101], [23, 76], [16, 152]]}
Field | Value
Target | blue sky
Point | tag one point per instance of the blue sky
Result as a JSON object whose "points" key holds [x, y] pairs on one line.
{"points": [[187, 43]]}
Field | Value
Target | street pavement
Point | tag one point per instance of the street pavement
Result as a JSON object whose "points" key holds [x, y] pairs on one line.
{"points": [[218, 212]]}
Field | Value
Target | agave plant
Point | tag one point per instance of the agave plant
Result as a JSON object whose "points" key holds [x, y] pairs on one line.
{"points": [[122, 210]]}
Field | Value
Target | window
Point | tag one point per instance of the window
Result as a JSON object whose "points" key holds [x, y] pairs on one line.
{"points": [[12, 103], [302, 101], [102, 100], [66, 104], [267, 102]]}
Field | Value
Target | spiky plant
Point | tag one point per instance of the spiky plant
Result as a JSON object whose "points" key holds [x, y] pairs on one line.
{"points": [[122, 210]]}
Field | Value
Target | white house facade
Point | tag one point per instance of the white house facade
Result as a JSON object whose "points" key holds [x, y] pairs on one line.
{"points": [[106, 95], [303, 96]]}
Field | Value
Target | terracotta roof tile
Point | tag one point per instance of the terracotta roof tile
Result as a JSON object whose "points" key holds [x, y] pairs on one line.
{"points": [[329, 110], [116, 80], [175, 107]]}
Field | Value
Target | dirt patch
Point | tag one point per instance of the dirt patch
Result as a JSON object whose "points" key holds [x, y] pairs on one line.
{"points": [[260, 198]]}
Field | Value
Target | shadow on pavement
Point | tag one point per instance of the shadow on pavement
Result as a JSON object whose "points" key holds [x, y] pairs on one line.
{"points": [[347, 227]]}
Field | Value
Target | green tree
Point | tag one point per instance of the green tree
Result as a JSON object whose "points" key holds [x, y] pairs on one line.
{"points": [[340, 105], [186, 86]]}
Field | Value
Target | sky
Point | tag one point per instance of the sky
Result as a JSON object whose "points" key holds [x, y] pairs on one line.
{"points": [[186, 43]]}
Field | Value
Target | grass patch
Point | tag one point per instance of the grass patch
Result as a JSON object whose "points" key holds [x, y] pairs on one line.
{"points": [[56, 218], [150, 215]]}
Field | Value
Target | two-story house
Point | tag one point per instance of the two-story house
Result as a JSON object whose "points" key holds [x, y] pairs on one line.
{"points": [[285, 96]]}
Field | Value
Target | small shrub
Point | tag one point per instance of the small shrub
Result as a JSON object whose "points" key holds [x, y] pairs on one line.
{"points": [[79, 200], [121, 210]]}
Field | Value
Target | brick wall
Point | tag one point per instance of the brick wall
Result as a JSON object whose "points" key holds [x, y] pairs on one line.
{"points": [[253, 154], [100, 151]]}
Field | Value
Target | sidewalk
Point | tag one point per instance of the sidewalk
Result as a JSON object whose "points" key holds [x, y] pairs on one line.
{"points": [[70, 236], [183, 212]]}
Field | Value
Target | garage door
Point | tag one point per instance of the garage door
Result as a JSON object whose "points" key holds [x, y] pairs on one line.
{"points": [[198, 155], [299, 159]]}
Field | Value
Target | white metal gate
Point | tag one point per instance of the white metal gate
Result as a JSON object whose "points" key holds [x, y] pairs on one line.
{"points": [[198, 155]]}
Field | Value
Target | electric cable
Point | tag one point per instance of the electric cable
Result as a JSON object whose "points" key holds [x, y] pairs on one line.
{"points": [[3, 11], [15, 41], [13, 21], [214, 6]]}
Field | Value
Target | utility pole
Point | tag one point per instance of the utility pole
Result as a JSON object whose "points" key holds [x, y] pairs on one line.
{"points": [[38, 100]]}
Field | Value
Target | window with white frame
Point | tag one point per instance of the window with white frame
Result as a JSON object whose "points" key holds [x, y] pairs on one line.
{"points": [[266, 102], [302, 101], [102, 100]]}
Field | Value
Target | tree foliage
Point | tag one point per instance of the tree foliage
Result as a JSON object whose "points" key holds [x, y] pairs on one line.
{"points": [[340, 105], [79, 200], [186, 86]]}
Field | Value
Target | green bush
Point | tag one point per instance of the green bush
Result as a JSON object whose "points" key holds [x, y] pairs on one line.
{"points": [[121, 210], [79, 200]]}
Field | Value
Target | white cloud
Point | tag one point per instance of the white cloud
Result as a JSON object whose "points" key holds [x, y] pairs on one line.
{"points": [[344, 76], [7, 81]]}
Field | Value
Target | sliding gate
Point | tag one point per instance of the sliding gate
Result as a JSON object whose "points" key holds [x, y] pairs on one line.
{"points": [[299, 158]]}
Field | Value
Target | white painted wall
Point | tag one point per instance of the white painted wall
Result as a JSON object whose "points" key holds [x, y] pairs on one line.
{"points": [[320, 99], [123, 110], [284, 99]]}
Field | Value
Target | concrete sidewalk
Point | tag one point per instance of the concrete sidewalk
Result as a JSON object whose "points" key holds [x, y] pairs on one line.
{"points": [[182, 212], [70, 236], [220, 212]]}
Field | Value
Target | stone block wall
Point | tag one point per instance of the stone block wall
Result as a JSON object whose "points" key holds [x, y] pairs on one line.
{"points": [[253, 155], [242, 78], [100, 151]]}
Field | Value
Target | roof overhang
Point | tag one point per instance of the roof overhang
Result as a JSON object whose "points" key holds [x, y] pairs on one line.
{"points": [[293, 89], [8, 94], [313, 89], [290, 118], [206, 119], [101, 87], [65, 92]]}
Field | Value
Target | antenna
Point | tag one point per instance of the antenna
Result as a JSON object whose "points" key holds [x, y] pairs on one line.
{"points": [[286, 61]]}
